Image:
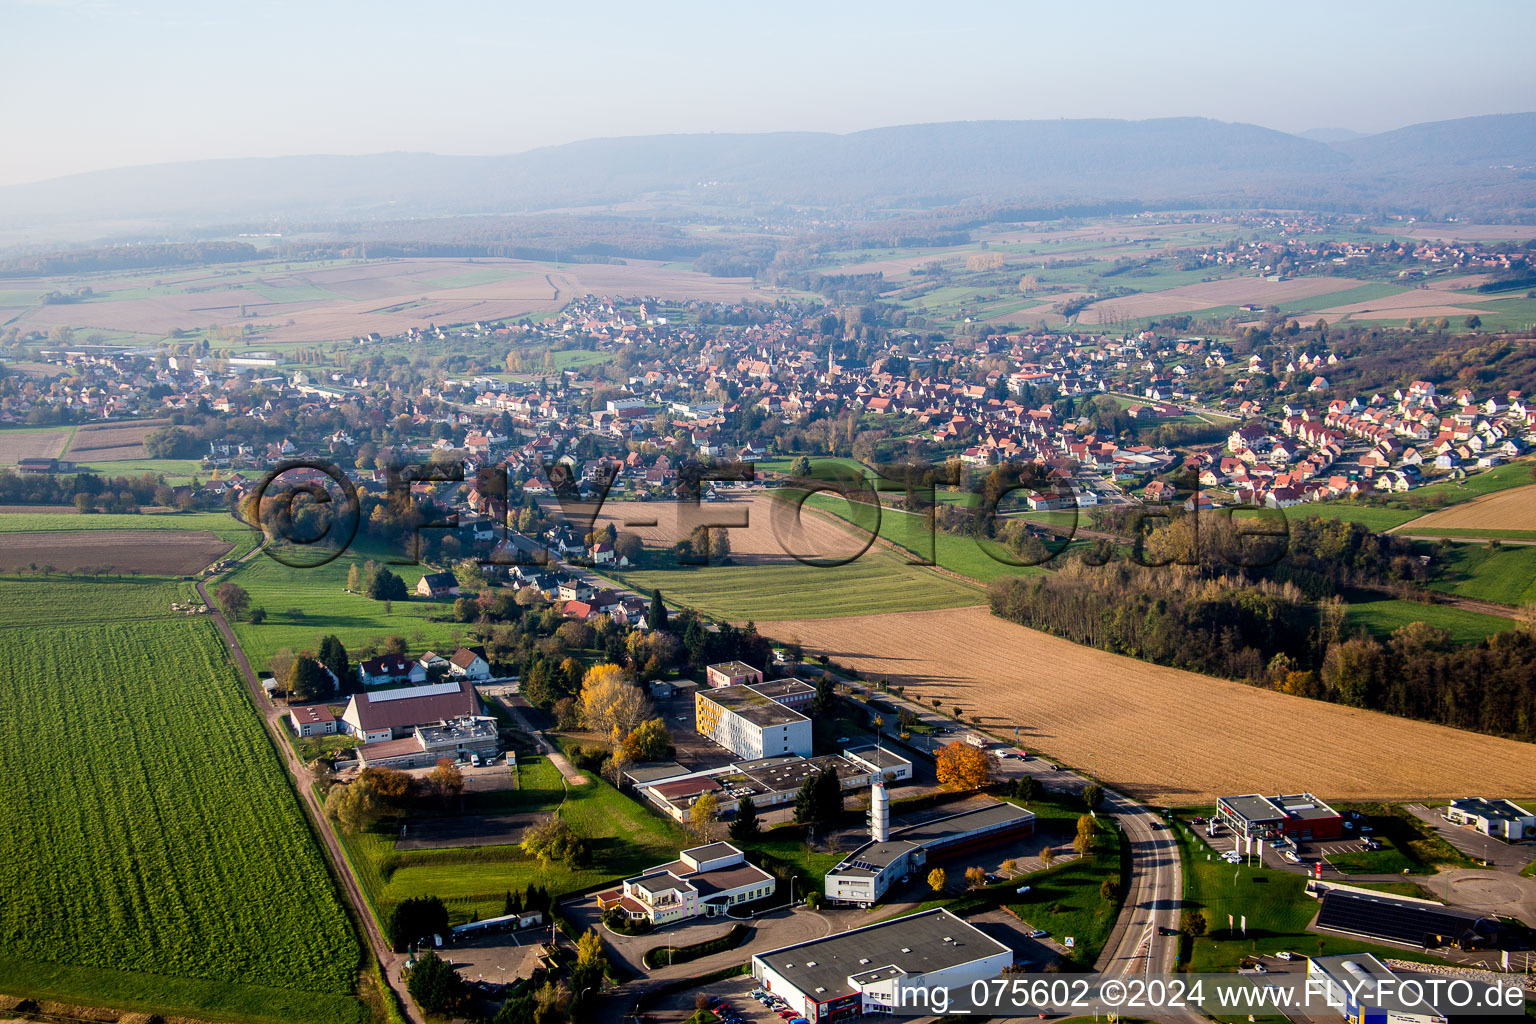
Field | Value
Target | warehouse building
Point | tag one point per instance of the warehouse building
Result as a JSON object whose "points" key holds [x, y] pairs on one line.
{"points": [[880, 967], [453, 738], [1300, 817], [1502, 819], [751, 724], [864, 876]]}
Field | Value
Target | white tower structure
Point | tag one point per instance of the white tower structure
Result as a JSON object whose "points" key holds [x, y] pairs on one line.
{"points": [[879, 811]]}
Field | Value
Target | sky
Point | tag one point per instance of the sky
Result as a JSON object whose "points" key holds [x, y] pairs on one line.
{"points": [[93, 84]]}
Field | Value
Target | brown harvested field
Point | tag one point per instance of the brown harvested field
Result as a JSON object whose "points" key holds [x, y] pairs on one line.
{"points": [[763, 531], [388, 296], [156, 552], [1231, 291], [1514, 509], [1440, 299], [1463, 232], [16, 445], [1168, 736], [107, 441]]}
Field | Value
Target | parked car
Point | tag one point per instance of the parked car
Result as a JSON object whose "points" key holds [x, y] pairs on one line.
{"points": [[1021, 890], [1285, 954], [1039, 933]]}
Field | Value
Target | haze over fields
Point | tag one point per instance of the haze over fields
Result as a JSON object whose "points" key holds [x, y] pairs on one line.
{"points": [[1484, 163]]}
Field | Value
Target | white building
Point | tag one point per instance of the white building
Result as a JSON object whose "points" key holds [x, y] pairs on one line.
{"points": [[1502, 819], [705, 880], [1353, 985], [880, 967], [751, 724]]}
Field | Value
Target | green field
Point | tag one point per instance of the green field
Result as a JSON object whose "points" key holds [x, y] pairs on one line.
{"points": [[304, 604], [175, 471], [1346, 297], [624, 837], [1376, 518], [877, 581], [155, 856], [964, 555], [1505, 576], [1381, 615]]}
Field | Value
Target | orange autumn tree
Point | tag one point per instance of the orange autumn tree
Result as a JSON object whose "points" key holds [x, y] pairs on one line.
{"points": [[962, 766]]}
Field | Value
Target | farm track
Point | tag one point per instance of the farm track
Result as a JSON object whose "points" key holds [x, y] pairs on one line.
{"points": [[391, 962]]}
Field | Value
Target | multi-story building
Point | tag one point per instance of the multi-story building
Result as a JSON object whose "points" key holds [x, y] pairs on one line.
{"points": [[751, 724]]}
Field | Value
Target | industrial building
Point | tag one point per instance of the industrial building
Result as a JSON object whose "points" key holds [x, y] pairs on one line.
{"points": [[750, 723], [1300, 817], [705, 880], [864, 876], [875, 969], [1502, 819]]}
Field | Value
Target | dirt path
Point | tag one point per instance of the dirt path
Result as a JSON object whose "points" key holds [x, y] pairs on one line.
{"points": [[392, 963]]}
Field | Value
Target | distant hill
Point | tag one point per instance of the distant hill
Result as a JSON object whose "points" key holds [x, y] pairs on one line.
{"points": [[1481, 166]]}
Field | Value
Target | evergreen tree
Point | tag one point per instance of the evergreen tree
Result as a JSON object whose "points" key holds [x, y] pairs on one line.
{"points": [[745, 825], [822, 703], [307, 680], [657, 619], [334, 657]]}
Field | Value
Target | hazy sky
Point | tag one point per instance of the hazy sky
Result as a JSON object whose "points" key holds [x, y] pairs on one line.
{"points": [[88, 84]]}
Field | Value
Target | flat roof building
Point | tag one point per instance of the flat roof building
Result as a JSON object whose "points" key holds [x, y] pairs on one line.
{"points": [[1299, 816], [704, 880], [732, 673], [751, 724], [873, 969], [1362, 988], [1502, 819]]}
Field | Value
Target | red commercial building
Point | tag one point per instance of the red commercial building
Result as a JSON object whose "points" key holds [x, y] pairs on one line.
{"points": [[1300, 816]]}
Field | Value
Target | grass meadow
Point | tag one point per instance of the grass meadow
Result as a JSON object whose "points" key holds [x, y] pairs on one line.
{"points": [[155, 856], [624, 838], [304, 604]]}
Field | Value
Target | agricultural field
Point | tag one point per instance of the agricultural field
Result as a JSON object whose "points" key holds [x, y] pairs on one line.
{"points": [[174, 471], [1510, 509], [156, 553], [1166, 735], [340, 299], [966, 556], [766, 578], [17, 443], [111, 442], [624, 838], [304, 604], [1381, 615], [149, 865], [1503, 575]]}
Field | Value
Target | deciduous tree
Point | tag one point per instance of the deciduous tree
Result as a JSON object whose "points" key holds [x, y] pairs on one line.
{"points": [[962, 766]]}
